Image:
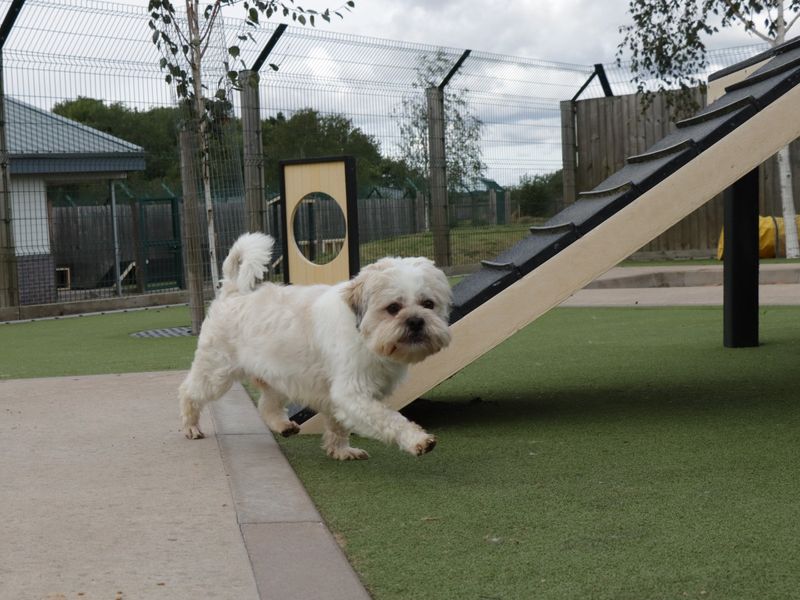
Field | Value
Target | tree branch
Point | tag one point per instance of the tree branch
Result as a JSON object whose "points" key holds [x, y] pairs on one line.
{"points": [[205, 35], [748, 23], [792, 22]]}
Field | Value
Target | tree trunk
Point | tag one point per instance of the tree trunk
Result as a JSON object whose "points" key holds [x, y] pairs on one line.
{"points": [[193, 253], [201, 119], [440, 224], [787, 203], [785, 166]]}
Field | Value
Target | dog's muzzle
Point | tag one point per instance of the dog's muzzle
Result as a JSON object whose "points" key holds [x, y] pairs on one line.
{"points": [[415, 328]]}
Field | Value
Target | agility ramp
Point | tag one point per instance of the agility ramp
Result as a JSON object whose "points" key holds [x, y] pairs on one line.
{"points": [[758, 113]]}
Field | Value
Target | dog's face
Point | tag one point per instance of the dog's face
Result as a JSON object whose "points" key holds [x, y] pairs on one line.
{"points": [[401, 307]]}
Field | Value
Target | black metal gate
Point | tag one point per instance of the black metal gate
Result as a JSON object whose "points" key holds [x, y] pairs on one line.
{"points": [[160, 250]]}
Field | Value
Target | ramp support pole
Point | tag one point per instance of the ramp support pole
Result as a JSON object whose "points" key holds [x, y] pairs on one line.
{"points": [[740, 304]]}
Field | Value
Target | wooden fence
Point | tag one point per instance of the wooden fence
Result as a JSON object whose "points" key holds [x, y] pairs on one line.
{"points": [[599, 134]]}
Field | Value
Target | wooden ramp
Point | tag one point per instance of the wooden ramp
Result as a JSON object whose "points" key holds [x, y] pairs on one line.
{"points": [[758, 114]]}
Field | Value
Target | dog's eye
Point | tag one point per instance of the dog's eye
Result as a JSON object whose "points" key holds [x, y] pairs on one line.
{"points": [[393, 308], [429, 304]]}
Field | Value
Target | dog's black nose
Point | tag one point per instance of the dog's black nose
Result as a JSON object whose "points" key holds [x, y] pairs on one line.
{"points": [[415, 324]]}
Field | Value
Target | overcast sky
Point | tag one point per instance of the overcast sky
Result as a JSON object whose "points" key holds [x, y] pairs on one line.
{"points": [[571, 31]]}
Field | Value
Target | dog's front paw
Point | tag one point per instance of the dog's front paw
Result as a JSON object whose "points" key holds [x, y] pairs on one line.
{"points": [[193, 432], [420, 444], [347, 453], [289, 429], [425, 446]]}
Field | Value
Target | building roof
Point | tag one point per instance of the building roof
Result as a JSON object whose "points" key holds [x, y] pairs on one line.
{"points": [[41, 142]]}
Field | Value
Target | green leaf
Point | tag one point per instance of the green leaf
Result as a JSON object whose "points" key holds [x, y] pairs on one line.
{"points": [[155, 37], [252, 15], [234, 51], [272, 66], [162, 63]]}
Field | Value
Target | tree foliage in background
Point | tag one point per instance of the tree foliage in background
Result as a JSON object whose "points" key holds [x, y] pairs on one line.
{"points": [[538, 195], [462, 129], [666, 43], [306, 134], [309, 134], [155, 130]]}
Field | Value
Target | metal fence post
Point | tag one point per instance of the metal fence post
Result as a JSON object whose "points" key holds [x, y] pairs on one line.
{"points": [[257, 217], [253, 152], [9, 285], [9, 278], [115, 230], [440, 225], [569, 151]]}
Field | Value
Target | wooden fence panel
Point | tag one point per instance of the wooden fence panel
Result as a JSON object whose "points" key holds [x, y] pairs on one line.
{"points": [[599, 134]]}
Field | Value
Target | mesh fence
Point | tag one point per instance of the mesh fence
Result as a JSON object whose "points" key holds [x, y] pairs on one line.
{"points": [[98, 196]]}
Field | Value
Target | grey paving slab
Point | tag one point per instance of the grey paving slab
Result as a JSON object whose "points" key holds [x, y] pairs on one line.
{"points": [[264, 486], [300, 560], [708, 295], [102, 497], [688, 275], [234, 414], [293, 555]]}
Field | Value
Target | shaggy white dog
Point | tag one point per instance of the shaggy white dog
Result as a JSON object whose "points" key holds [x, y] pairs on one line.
{"points": [[338, 349]]}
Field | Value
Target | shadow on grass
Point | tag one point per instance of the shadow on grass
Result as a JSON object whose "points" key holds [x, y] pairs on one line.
{"points": [[704, 400]]}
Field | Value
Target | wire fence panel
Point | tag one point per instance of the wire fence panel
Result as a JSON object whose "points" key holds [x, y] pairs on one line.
{"points": [[105, 201]]}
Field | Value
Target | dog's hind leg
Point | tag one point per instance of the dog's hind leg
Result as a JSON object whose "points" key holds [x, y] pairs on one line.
{"points": [[336, 442], [272, 406], [201, 386]]}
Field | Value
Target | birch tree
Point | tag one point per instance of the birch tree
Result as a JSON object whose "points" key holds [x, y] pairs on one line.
{"points": [[463, 129], [666, 45]]}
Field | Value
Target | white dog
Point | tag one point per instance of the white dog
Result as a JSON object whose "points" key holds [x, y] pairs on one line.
{"points": [[337, 349]]}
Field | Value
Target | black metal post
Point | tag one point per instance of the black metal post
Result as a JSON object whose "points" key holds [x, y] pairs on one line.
{"points": [[740, 307], [9, 278], [601, 75], [262, 57]]}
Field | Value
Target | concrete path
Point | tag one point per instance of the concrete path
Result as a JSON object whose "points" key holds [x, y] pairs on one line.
{"points": [[103, 498]]}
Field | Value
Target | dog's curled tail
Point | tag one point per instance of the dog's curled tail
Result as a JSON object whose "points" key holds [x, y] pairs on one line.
{"points": [[246, 263]]}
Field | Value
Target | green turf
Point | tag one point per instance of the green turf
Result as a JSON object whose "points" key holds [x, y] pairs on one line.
{"points": [[613, 453], [599, 453], [94, 344]]}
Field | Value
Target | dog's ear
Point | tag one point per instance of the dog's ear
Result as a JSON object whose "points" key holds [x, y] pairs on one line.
{"points": [[354, 294]]}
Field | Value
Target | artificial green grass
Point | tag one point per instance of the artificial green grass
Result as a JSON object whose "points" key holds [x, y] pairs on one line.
{"points": [[611, 453], [599, 453], [94, 344], [468, 244]]}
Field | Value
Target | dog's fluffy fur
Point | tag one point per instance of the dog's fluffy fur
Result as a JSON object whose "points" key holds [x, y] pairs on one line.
{"points": [[338, 349]]}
